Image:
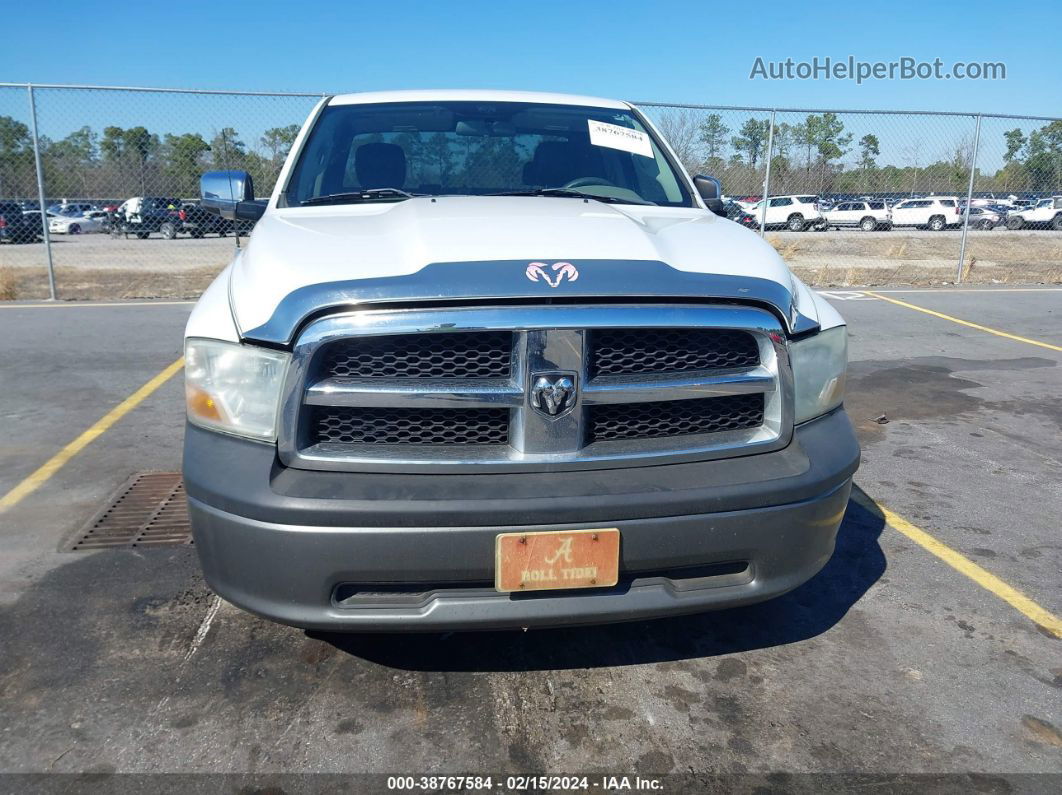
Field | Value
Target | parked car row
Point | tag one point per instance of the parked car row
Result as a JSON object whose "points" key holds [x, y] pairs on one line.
{"points": [[143, 216], [140, 217], [799, 213]]}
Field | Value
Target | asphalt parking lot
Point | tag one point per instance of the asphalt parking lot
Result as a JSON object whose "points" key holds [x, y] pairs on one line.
{"points": [[929, 644]]}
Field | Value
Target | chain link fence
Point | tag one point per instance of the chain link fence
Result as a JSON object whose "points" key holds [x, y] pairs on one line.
{"points": [[890, 190], [853, 197], [98, 148]]}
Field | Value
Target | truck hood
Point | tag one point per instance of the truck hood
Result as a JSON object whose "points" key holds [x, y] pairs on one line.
{"points": [[300, 261]]}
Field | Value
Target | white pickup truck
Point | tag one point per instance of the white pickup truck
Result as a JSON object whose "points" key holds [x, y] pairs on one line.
{"points": [[1045, 214], [492, 359]]}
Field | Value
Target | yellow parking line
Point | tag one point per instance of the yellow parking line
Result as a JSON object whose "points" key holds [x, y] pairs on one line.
{"points": [[86, 305], [947, 290], [57, 461], [990, 582], [962, 322]]}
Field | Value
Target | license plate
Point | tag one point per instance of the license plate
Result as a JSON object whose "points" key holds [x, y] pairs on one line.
{"points": [[556, 559]]}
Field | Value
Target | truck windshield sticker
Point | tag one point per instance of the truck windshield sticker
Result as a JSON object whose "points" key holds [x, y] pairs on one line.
{"points": [[615, 137]]}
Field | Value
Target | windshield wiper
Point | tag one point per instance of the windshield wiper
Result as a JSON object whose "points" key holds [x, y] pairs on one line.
{"points": [[369, 194], [571, 193]]}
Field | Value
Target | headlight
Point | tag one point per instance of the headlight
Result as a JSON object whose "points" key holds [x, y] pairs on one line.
{"points": [[818, 372], [234, 388]]}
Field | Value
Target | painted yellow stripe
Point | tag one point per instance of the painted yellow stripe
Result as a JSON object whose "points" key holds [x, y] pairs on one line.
{"points": [[947, 290], [56, 462], [962, 322], [990, 582], [86, 304]]}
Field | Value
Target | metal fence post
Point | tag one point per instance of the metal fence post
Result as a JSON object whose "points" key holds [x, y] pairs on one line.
{"points": [[969, 197], [767, 176], [40, 192]]}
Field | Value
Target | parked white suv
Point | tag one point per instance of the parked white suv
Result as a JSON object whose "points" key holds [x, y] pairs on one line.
{"points": [[867, 215], [796, 213], [1045, 213], [930, 212]]}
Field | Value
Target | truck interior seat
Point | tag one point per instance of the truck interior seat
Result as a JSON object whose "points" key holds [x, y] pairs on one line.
{"points": [[556, 163], [380, 165]]}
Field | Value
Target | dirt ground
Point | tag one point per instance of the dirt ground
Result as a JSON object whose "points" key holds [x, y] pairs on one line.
{"points": [[82, 284], [98, 267], [839, 259]]}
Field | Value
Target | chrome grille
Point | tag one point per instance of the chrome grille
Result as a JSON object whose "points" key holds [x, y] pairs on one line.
{"points": [[633, 351], [674, 417], [473, 355], [346, 426], [448, 388]]}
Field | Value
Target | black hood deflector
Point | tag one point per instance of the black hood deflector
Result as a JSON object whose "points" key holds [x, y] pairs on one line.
{"points": [[501, 280]]}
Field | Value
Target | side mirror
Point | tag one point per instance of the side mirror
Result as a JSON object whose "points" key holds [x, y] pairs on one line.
{"points": [[230, 194], [711, 191]]}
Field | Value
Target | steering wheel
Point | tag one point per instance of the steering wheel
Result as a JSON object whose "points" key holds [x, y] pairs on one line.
{"points": [[583, 182]]}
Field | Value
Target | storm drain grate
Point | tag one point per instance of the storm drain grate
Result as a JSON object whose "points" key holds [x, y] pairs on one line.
{"points": [[148, 511]]}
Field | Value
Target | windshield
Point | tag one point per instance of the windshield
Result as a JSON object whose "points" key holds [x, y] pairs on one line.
{"points": [[481, 148]]}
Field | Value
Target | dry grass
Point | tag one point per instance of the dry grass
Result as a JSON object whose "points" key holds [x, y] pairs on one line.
{"points": [[81, 284], [1009, 248], [816, 268], [916, 274], [8, 285], [824, 260]]}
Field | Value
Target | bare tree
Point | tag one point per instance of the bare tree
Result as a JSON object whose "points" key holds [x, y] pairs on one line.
{"points": [[913, 154], [682, 129]]}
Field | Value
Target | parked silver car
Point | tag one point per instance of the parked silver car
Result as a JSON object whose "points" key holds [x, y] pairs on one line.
{"points": [[985, 218]]}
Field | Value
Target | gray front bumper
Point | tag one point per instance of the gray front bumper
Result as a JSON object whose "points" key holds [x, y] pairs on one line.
{"points": [[417, 551]]}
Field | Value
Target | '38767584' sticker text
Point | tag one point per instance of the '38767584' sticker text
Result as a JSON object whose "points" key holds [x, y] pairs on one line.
{"points": [[616, 137]]}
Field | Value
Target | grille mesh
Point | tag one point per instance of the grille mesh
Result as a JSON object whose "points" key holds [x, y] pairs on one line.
{"points": [[478, 354], [634, 351], [674, 417], [411, 426]]}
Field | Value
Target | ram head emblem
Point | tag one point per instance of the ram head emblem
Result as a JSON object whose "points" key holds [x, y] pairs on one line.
{"points": [[553, 274], [553, 394]]}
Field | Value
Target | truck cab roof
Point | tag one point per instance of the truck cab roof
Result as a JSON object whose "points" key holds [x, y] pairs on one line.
{"points": [[474, 95]]}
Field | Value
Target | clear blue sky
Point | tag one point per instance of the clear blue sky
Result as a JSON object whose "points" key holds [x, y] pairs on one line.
{"points": [[697, 52]]}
